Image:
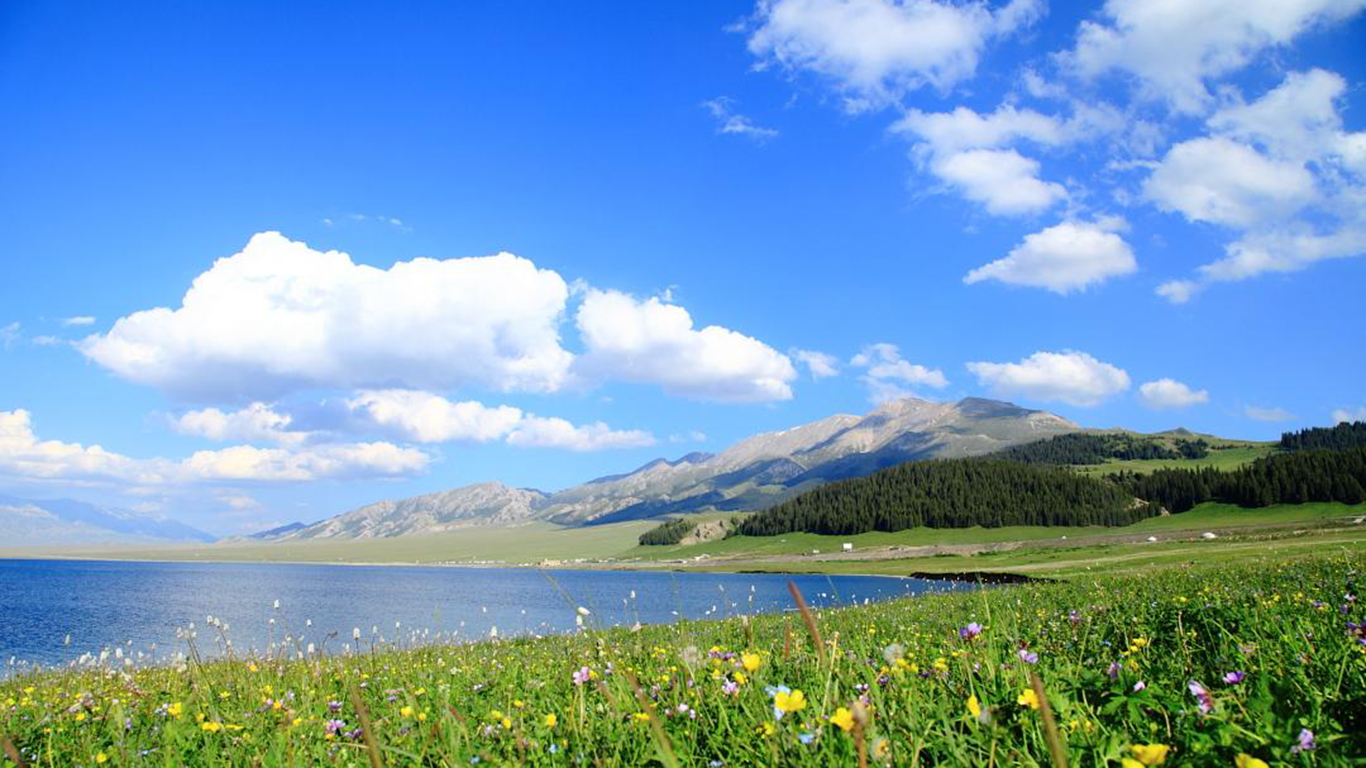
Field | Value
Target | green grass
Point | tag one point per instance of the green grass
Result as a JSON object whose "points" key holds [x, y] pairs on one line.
{"points": [[1225, 460], [523, 544], [698, 693], [1199, 519]]}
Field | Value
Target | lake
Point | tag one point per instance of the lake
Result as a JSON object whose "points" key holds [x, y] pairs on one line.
{"points": [[54, 611]]}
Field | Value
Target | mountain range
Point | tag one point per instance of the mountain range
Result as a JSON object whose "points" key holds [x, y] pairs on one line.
{"points": [[65, 521], [753, 474]]}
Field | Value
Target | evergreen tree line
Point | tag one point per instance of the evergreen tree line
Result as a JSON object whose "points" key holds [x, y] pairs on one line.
{"points": [[1345, 435], [1092, 448], [1282, 478], [952, 493], [671, 532]]}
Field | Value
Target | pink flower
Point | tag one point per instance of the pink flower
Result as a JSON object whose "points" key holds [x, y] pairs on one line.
{"points": [[582, 675]]}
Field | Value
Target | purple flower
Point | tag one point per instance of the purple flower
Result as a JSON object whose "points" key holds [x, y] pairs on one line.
{"points": [[1140, 685], [1202, 697], [1233, 678], [730, 688], [334, 706], [1027, 657], [1306, 739], [334, 726], [1113, 670], [972, 630], [1074, 616], [582, 675]]}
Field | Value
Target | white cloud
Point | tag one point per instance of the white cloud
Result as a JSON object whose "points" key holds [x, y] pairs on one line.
{"points": [[1005, 182], [1164, 394], [1178, 291], [1173, 48], [1267, 414], [257, 421], [949, 132], [729, 121], [651, 342], [874, 51], [1282, 172], [9, 335], [1075, 378], [78, 320], [24, 457], [969, 151], [889, 377], [240, 503], [1344, 414], [1217, 180], [1065, 257], [537, 432], [429, 418], [692, 436], [819, 364], [281, 316]]}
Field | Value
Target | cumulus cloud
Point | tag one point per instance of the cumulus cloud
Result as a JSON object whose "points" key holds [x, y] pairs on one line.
{"points": [[889, 377], [875, 51], [280, 316], [1174, 48], [1281, 172], [1259, 413], [819, 364], [257, 421], [1164, 394], [1005, 182], [1219, 181], [1075, 378], [653, 342], [1346, 414], [1063, 258], [971, 153], [425, 417], [728, 121], [25, 457], [538, 432]]}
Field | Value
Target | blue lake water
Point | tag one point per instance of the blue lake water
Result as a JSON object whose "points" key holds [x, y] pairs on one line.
{"points": [[137, 607]]}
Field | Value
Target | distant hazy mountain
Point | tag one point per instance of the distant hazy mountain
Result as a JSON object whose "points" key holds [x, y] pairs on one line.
{"points": [[753, 474], [276, 532], [481, 504], [27, 522]]}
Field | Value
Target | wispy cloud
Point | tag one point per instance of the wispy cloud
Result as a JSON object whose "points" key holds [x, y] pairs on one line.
{"points": [[729, 121], [78, 320], [1259, 413]]}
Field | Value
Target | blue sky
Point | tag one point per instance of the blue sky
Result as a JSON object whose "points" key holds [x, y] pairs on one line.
{"points": [[1055, 204]]}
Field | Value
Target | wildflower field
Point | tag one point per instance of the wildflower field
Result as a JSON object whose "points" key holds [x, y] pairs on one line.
{"points": [[1258, 663]]}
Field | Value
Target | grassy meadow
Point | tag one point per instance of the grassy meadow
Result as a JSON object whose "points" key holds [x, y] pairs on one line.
{"points": [[1261, 661]]}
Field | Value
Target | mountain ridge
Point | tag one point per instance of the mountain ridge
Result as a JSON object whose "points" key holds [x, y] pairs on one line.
{"points": [[753, 473]]}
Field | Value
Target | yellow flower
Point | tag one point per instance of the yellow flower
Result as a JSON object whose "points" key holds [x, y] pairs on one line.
{"points": [[551, 720], [1028, 699], [767, 729], [1150, 754], [422, 717], [641, 717], [740, 678], [1248, 761], [210, 726], [844, 719], [751, 662], [101, 758], [80, 716], [790, 702], [975, 706], [406, 711], [1129, 762], [507, 723]]}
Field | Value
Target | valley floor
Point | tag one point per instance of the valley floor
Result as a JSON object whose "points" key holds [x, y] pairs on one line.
{"points": [[1035, 551]]}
